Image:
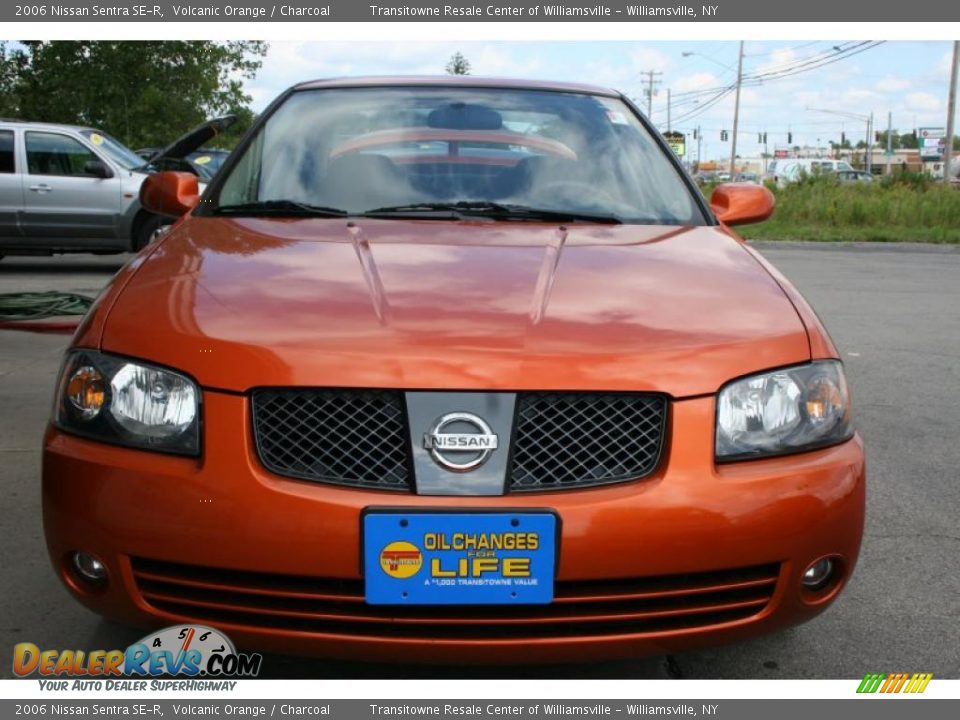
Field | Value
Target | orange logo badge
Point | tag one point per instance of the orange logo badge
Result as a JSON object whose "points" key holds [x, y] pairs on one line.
{"points": [[401, 559]]}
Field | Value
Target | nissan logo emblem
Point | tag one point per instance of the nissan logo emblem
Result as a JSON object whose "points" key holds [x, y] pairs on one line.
{"points": [[460, 451]]}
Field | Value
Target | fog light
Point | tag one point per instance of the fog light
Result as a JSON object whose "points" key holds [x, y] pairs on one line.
{"points": [[89, 567], [818, 575]]}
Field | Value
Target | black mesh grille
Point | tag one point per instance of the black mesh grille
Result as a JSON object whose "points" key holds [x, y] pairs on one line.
{"points": [[565, 440], [348, 437]]}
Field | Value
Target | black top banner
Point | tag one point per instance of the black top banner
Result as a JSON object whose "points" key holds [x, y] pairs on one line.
{"points": [[501, 10]]}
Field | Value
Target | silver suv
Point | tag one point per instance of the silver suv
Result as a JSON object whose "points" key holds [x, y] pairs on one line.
{"points": [[69, 189], [65, 188]]}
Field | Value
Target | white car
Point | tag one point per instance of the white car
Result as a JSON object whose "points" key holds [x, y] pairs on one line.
{"points": [[784, 172]]}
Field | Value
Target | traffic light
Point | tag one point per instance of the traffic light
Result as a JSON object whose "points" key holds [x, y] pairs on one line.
{"points": [[695, 133], [790, 137], [764, 138], [759, 138], [876, 136], [843, 138], [723, 136]]}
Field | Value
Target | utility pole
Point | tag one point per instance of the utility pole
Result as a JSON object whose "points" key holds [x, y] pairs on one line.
{"points": [[668, 110], [652, 82], [870, 144], [951, 112], [699, 141], [889, 141], [736, 112]]}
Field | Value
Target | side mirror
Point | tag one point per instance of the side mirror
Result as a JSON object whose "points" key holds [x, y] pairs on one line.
{"points": [[170, 193], [98, 169], [736, 204]]}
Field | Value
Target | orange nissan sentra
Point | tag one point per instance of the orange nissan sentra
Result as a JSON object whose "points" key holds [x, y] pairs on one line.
{"points": [[455, 370]]}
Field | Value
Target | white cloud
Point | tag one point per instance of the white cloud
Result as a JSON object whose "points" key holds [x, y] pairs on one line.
{"points": [[923, 102], [893, 84]]}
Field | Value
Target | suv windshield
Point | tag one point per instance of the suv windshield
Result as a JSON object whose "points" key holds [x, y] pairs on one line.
{"points": [[423, 151], [116, 151]]}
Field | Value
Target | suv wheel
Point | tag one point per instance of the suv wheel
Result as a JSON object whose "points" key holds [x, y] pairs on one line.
{"points": [[144, 229]]}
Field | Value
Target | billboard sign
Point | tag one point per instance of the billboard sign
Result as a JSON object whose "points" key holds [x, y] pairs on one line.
{"points": [[932, 143]]}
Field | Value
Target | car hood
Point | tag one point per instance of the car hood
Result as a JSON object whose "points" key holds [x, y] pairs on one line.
{"points": [[240, 303], [195, 138]]}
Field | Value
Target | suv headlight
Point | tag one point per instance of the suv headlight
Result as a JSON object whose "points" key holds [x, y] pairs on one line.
{"points": [[783, 411], [128, 403]]}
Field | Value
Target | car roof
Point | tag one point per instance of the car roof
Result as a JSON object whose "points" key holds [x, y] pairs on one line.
{"points": [[45, 125], [454, 81]]}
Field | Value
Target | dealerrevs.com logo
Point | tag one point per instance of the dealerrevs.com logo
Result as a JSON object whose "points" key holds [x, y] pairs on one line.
{"points": [[192, 651]]}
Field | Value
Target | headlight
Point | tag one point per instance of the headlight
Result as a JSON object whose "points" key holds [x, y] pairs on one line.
{"points": [[783, 411], [128, 403]]}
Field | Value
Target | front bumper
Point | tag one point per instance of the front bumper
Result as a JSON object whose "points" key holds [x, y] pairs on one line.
{"points": [[695, 554]]}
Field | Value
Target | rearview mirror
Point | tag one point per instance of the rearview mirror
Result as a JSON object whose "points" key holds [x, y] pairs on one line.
{"points": [[170, 193], [98, 169], [741, 204]]}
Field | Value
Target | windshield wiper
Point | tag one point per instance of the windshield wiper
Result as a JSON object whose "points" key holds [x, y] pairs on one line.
{"points": [[497, 211], [289, 208]]}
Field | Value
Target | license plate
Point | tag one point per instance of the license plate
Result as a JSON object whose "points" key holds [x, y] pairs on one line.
{"points": [[459, 558]]}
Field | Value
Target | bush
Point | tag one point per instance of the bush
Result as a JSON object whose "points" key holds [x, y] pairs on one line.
{"points": [[902, 206]]}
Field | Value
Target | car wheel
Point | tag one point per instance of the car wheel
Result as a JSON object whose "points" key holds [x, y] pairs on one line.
{"points": [[144, 230]]}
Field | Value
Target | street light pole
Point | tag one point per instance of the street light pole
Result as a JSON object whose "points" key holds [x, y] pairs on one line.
{"points": [[736, 113], [889, 154], [868, 119], [951, 112]]}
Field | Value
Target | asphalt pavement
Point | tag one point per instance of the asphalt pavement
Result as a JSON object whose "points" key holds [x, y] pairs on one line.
{"points": [[894, 311]]}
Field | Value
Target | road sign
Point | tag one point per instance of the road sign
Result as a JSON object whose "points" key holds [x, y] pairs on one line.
{"points": [[677, 141]]}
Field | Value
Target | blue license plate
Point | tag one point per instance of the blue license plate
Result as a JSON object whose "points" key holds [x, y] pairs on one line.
{"points": [[459, 558]]}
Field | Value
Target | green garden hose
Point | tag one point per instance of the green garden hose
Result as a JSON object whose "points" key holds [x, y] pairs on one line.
{"points": [[37, 306]]}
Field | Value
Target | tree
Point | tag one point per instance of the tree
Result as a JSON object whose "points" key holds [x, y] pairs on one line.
{"points": [[143, 93], [458, 65], [908, 141]]}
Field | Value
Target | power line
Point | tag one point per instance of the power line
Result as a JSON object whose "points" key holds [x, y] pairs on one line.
{"points": [[758, 79], [814, 62]]}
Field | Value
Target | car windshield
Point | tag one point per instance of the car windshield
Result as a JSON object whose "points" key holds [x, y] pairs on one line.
{"points": [[114, 149], [423, 151]]}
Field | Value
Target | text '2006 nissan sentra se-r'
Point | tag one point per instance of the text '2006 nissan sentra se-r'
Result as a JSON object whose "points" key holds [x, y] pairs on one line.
{"points": [[454, 369]]}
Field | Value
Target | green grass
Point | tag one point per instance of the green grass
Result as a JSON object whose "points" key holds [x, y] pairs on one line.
{"points": [[907, 208]]}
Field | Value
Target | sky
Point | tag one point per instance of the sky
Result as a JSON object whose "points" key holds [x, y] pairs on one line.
{"points": [[908, 79]]}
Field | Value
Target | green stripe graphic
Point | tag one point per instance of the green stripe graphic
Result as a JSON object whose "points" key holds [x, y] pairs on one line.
{"points": [[871, 682]]}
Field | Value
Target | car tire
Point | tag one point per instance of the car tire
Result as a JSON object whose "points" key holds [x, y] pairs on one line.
{"points": [[144, 229]]}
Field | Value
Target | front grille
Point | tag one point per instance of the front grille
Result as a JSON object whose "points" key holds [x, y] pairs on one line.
{"points": [[565, 440], [332, 607], [360, 437], [348, 437]]}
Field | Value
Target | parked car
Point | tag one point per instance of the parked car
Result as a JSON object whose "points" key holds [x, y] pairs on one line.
{"points": [[748, 177], [203, 163], [723, 176], [66, 188], [534, 405], [856, 176], [793, 169]]}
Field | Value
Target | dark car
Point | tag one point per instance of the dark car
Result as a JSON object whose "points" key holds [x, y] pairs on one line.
{"points": [[203, 163], [186, 154]]}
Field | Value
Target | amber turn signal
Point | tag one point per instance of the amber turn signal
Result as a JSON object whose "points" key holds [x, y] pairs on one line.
{"points": [[85, 391]]}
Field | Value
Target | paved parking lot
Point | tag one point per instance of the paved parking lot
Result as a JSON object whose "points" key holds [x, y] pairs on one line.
{"points": [[893, 310]]}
